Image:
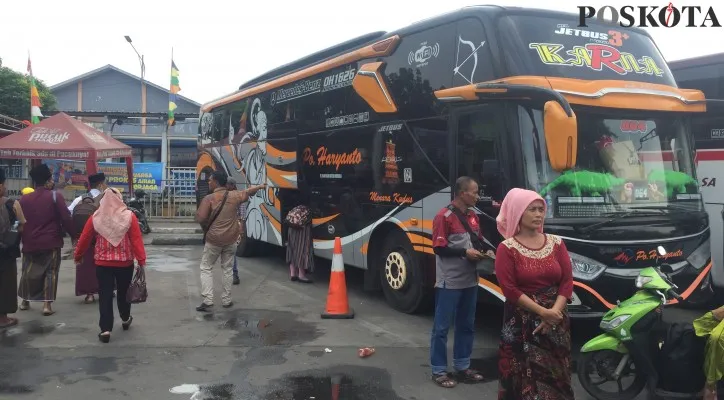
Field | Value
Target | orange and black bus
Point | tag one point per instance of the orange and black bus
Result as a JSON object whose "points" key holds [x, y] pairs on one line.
{"points": [[370, 134]]}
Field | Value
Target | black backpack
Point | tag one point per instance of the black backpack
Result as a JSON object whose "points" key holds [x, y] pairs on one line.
{"points": [[83, 210], [681, 360]]}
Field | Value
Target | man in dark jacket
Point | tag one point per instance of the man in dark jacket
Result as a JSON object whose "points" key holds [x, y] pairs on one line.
{"points": [[47, 218]]}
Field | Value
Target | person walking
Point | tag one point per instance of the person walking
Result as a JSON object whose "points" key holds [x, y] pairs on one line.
{"points": [[10, 214], [116, 238], [300, 254], [47, 220], [455, 231], [218, 216], [97, 184], [81, 210], [535, 273]]}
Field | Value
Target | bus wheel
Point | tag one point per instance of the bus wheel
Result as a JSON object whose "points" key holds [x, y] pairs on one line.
{"points": [[402, 280]]}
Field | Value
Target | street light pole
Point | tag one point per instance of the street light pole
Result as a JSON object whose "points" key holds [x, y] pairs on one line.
{"points": [[143, 84]]}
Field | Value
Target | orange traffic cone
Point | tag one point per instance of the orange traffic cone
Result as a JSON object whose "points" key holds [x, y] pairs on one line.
{"points": [[337, 303]]}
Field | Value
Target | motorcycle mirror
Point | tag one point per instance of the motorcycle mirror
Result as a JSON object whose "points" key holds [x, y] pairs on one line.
{"points": [[661, 250], [666, 268]]}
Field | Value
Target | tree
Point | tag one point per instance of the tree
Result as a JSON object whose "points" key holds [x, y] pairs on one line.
{"points": [[15, 94]]}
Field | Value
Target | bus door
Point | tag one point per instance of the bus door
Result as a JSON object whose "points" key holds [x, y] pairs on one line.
{"points": [[478, 153]]}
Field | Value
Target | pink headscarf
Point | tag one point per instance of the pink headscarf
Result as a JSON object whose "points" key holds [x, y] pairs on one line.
{"points": [[113, 218], [511, 211]]}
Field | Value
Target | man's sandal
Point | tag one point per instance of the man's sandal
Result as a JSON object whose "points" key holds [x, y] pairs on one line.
{"points": [[444, 380], [470, 376]]}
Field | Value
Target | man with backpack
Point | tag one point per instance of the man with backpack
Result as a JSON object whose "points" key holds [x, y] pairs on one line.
{"points": [[97, 183], [81, 209]]}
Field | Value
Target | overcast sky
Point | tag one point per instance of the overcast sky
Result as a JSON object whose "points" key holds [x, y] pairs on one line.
{"points": [[219, 44]]}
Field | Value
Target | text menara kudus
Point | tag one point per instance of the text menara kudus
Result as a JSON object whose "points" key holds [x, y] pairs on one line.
{"points": [[668, 16]]}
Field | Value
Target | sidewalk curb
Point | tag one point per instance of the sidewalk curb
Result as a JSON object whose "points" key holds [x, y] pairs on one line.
{"points": [[176, 231], [177, 240]]}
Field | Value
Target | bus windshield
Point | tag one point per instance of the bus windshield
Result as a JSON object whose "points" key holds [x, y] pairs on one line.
{"points": [[623, 164], [557, 47]]}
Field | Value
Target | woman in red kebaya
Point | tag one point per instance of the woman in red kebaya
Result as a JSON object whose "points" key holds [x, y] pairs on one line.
{"points": [[113, 230], [534, 271]]}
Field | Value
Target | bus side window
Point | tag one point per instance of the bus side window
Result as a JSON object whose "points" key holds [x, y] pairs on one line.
{"points": [[478, 150]]}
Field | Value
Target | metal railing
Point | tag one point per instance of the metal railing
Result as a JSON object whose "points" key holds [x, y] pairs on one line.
{"points": [[174, 199], [13, 171]]}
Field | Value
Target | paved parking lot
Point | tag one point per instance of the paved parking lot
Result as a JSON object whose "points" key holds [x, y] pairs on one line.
{"points": [[271, 345]]}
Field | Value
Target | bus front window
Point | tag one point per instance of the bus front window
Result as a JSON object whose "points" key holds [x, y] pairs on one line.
{"points": [[622, 164]]}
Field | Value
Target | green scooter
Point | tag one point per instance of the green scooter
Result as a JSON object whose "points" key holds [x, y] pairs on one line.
{"points": [[631, 339]]}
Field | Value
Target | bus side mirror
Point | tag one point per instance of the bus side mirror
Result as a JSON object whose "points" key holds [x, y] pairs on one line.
{"points": [[561, 132]]}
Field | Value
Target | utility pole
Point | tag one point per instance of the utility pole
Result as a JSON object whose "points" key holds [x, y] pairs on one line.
{"points": [[143, 91]]}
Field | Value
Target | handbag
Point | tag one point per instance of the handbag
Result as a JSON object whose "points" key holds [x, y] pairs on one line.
{"points": [[485, 266], [137, 291], [213, 217], [298, 217], [8, 237]]}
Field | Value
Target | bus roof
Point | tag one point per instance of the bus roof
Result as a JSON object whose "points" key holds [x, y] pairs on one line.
{"points": [[701, 61], [361, 42]]}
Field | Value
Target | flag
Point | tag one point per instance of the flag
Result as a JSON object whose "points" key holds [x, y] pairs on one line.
{"points": [[35, 105], [175, 88]]}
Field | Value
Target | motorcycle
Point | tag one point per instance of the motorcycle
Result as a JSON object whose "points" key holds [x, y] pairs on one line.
{"points": [[631, 342], [135, 204]]}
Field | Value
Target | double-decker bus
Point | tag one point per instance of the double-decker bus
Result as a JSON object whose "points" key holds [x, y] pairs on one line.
{"points": [[372, 132], [706, 73]]}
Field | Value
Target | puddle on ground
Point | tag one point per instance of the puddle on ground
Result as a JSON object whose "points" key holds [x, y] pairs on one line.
{"points": [[24, 331], [7, 388], [24, 374], [264, 327], [164, 262], [348, 383]]}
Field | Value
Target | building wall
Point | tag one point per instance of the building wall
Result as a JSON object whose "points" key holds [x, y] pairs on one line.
{"points": [[113, 91]]}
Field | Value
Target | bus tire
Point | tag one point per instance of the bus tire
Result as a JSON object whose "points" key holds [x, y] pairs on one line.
{"points": [[401, 274]]}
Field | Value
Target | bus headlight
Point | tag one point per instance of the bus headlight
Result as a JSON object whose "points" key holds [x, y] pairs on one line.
{"points": [[700, 257], [584, 268]]}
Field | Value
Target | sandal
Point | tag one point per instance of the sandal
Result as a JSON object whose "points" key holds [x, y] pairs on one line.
{"points": [[470, 376], [24, 305], [444, 380], [90, 299], [9, 323]]}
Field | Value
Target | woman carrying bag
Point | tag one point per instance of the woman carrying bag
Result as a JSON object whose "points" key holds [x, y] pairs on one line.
{"points": [[118, 241]]}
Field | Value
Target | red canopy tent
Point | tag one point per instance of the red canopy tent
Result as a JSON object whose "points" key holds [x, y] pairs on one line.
{"points": [[64, 137]]}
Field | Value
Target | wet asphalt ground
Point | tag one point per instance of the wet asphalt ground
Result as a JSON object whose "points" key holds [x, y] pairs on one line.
{"points": [[272, 345]]}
